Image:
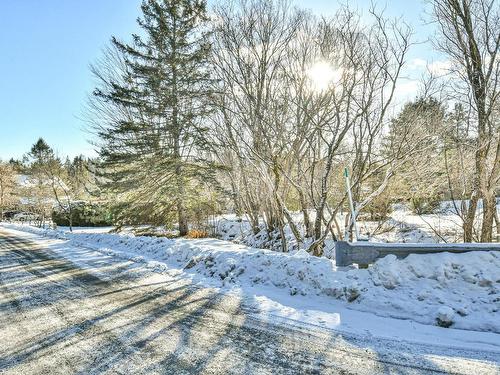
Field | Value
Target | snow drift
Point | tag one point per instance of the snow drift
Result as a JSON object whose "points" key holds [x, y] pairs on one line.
{"points": [[449, 290]]}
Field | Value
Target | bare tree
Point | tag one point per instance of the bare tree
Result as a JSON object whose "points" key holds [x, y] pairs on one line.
{"points": [[470, 37], [251, 43], [290, 126], [7, 184]]}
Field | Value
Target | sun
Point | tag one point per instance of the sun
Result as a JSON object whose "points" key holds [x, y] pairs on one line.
{"points": [[322, 74]]}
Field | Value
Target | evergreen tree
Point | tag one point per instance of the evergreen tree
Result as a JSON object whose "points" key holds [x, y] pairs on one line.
{"points": [[51, 177], [420, 129], [42, 166], [153, 111], [80, 177]]}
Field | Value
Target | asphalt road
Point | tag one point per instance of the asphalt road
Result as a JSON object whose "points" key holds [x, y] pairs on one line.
{"points": [[111, 316]]}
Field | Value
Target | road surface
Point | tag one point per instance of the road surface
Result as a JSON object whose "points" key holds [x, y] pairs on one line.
{"points": [[104, 315]]}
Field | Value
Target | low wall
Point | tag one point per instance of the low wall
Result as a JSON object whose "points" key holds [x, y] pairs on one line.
{"points": [[365, 253]]}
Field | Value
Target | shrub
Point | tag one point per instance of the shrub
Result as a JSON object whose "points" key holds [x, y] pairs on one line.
{"points": [[425, 205], [196, 233], [84, 214], [379, 209]]}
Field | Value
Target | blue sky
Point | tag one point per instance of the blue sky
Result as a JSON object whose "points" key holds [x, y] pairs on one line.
{"points": [[46, 48]]}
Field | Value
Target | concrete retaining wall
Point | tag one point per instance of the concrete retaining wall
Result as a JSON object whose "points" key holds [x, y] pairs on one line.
{"points": [[365, 253]]}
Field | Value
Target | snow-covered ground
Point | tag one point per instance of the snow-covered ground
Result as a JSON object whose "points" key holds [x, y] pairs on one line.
{"points": [[402, 225], [406, 299]]}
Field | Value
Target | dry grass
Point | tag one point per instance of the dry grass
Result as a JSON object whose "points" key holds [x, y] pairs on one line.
{"points": [[196, 233]]}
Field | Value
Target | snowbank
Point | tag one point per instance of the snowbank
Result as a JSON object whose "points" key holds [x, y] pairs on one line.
{"points": [[449, 290]]}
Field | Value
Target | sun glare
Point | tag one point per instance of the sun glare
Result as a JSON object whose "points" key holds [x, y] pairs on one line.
{"points": [[322, 74]]}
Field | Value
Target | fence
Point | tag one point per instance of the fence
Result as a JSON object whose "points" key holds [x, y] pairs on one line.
{"points": [[365, 253]]}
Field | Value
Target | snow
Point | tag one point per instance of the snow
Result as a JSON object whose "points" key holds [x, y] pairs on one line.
{"points": [[402, 226], [445, 225], [461, 291], [445, 316]]}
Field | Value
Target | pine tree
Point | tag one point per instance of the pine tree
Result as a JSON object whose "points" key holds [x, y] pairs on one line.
{"points": [[51, 176], [420, 129], [42, 166], [153, 144]]}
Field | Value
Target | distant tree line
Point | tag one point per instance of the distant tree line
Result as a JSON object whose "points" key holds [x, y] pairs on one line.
{"points": [[50, 188]]}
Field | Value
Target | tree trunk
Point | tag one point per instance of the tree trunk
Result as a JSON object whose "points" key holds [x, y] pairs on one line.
{"points": [[468, 223], [307, 223], [182, 219], [497, 224], [324, 192], [70, 221], [291, 223], [1, 202], [253, 215], [284, 246], [489, 210], [316, 248], [181, 209], [318, 223], [309, 230], [237, 206]]}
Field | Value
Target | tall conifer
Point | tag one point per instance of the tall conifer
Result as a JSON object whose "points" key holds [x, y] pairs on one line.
{"points": [[152, 135]]}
